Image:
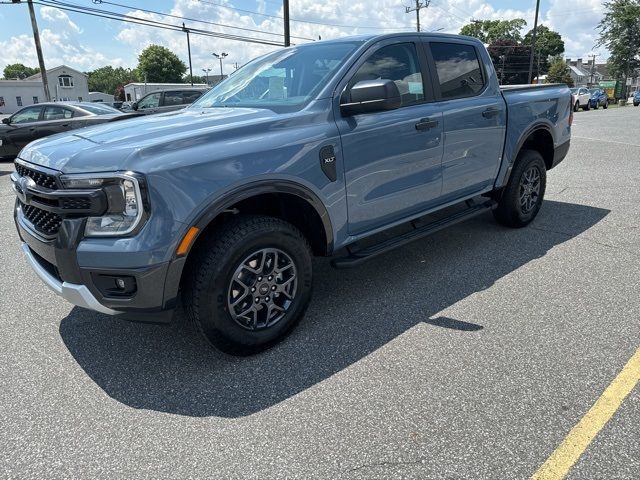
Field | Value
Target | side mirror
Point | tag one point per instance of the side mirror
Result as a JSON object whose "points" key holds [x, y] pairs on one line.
{"points": [[371, 96], [6, 121], [134, 106]]}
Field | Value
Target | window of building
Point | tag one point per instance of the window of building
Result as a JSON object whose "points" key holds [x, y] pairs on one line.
{"points": [[35, 100], [79, 99], [398, 62], [2, 102], [65, 81], [19, 101], [458, 69]]}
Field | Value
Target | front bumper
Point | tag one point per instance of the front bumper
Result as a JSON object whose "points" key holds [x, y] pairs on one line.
{"points": [[76, 294]]}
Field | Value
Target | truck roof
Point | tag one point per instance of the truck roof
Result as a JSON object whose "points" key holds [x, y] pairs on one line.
{"points": [[377, 37]]}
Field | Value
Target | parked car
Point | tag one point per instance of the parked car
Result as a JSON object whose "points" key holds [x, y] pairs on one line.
{"points": [[167, 100], [581, 98], [636, 98], [599, 98], [43, 119], [345, 148]]}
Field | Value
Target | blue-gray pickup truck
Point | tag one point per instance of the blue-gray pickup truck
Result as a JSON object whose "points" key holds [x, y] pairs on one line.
{"points": [[344, 148]]}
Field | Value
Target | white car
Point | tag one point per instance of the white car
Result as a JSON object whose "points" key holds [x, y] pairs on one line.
{"points": [[581, 98]]}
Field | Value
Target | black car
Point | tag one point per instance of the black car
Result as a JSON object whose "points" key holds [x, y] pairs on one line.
{"points": [[43, 119]]}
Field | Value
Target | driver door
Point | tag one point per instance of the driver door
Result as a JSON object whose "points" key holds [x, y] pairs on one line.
{"points": [[150, 104], [393, 164]]}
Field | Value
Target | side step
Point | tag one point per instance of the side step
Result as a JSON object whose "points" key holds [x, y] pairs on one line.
{"points": [[356, 257]]}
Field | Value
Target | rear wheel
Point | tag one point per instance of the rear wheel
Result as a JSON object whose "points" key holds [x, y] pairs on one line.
{"points": [[250, 284], [595, 107], [522, 197], [606, 105], [586, 107]]}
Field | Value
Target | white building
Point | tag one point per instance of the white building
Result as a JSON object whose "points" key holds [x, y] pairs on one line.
{"points": [[135, 91], [65, 83], [100, 97]]}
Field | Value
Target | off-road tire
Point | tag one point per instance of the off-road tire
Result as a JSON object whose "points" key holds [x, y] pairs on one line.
{"points": [[510, 211], [210, 273]]}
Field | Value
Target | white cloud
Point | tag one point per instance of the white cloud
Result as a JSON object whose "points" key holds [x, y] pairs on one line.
{"points": [[62, 43]]}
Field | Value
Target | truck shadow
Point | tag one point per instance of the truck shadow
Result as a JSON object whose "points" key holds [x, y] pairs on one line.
{"points": [[353, 313]]}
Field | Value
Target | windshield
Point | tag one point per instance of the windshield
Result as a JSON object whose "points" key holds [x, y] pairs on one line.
{"points": [[99, 109], [282, 80], [574, 90]]}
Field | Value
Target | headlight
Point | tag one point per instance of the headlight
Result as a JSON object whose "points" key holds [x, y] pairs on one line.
{"points": [[127, 206]]}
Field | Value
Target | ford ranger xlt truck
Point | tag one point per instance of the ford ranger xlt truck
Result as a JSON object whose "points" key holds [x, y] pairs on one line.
{"points": [[344, 148]]}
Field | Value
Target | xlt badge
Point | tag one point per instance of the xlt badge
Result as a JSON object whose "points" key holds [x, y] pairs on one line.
{"points": [[328, 162]]}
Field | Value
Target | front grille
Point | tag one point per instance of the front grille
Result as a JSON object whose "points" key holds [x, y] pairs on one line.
{"points": [[45, 222], [42, 179], [79, 203]]}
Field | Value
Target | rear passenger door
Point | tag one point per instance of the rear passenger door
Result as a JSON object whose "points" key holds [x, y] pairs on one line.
{"points": [[474, 117], [55, 119]]}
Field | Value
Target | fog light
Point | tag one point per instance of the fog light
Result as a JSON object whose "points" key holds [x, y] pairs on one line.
{"points": [[114, 285]]}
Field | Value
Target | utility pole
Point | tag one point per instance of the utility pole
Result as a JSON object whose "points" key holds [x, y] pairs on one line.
{"points": [[220, 57], [419, 5], [533, 41], [186, 30], [36, 39], [593, 66], [287, 36]]}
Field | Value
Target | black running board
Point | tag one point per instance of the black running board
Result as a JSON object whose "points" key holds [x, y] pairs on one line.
{"points": [[356, 257]]}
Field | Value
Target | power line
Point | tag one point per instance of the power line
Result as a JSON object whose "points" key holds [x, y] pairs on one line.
{"points": [[312, 22], [149, 23], [194, 19]]}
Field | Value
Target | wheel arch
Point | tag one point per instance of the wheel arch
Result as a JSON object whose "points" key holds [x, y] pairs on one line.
{"points": [[538, 137]]}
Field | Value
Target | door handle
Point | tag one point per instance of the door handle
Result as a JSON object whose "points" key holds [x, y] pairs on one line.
{"points": [[65, 124], [490, 112], [426, 124]]}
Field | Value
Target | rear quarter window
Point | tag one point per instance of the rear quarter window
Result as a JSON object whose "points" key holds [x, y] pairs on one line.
{"points": [[458, 69]]}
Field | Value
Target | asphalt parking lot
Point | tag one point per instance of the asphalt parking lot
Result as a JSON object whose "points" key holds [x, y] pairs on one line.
{"points": [[469, 354]]}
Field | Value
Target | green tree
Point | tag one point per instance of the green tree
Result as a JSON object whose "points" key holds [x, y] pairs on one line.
{"points": [[488, 31], [159, 64], [620, 33], [511, 61], [107, 79], [548, 44], [559, 73], [18, 70]]}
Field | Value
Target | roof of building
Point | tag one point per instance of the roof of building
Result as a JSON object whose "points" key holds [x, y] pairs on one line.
{"points": [[49, 70]]}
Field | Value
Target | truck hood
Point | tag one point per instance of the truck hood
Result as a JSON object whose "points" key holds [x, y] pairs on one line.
{"points": [[130, 144]]}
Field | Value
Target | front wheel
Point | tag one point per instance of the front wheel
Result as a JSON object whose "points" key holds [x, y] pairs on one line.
{"points": [[606, 105], [576, 107], [595, 107], [249, 283], [586, 107], [522, 197]]}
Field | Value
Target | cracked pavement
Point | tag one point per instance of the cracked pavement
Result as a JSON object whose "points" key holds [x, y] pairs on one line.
{"points": [[469, 354]]}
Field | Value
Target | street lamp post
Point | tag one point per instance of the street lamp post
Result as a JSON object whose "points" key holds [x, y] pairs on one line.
{"points": [[220, 57], [206, 73]]}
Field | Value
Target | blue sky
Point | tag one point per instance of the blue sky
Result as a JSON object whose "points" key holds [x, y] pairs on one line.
{"points": [[86, 42]]}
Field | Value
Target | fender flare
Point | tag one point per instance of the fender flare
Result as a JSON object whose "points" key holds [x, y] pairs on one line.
{"points": [[523, 138], [261, 187]]}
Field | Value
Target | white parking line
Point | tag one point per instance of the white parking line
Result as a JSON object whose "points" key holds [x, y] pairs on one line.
{"points": [[607, 141]]}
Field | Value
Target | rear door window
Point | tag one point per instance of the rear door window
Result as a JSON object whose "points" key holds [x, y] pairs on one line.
{"points": [[190, 96], [458, 69], [56, 113], [172, 99]]}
